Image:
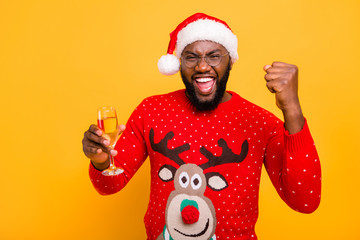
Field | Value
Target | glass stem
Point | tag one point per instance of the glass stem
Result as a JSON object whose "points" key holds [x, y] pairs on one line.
{"points": [[111, 159]]}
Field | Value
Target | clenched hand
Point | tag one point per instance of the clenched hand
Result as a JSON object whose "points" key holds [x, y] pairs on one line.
{"points": [[97, 147], [282, 79]]}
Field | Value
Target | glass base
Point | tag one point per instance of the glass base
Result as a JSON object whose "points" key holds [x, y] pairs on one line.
{"points": [[112, 171]]}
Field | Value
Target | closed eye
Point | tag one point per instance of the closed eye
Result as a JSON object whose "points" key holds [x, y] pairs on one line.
{"points": [[191, 58], [214, 57]]}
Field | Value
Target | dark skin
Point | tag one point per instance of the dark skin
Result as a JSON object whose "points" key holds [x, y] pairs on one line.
{"points": [[97, 148], [281, 78], [203, 70]]}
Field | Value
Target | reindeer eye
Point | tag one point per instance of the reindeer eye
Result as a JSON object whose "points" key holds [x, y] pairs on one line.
{"points": [[196, 181], [184, 179]]}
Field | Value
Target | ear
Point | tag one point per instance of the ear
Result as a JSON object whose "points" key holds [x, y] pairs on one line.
{"points": [[167, 173], [216, 181]]}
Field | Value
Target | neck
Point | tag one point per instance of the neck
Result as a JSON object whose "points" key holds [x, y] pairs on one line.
{"points": [[227, 96]]}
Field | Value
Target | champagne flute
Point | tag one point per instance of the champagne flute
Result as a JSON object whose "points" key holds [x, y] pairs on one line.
{"points": [[108, 123]]}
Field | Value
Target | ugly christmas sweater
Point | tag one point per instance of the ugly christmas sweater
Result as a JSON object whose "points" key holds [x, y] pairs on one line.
{"points": [[206, 166]]}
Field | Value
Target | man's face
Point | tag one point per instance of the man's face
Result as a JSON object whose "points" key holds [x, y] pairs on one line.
{"points": [[205, 84]]}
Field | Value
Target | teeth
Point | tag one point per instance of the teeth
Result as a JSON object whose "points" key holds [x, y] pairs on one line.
{"points": [[202, 80]]}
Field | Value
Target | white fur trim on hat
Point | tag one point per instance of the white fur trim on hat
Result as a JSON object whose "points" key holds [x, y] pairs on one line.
{"points": [[168, 64], [205, 29]]}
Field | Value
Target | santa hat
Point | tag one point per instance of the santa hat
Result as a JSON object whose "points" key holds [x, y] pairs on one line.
{"points": [[195, 28]]}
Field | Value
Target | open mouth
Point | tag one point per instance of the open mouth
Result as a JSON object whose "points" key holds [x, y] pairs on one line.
{"points": [[205, 85], [196, 234]]}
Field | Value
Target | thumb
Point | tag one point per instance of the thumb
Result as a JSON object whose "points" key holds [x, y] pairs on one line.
{"points": [[121, 128]]}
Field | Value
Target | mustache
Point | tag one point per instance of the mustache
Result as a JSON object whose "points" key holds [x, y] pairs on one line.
{"points": [[211, 104]]}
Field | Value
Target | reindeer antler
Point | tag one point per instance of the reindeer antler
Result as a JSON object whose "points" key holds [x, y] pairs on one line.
{"points": [[227, 155], [162, 147]]}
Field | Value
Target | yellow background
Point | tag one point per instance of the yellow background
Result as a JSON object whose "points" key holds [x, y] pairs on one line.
{"points": [[61, 60]]}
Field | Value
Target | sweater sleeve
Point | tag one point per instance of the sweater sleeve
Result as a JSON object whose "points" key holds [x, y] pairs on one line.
{"points": [[132, 153], [293, 166]]}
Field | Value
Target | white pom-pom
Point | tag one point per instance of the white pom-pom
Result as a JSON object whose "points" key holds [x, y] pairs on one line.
{"points": [[168, 64]]}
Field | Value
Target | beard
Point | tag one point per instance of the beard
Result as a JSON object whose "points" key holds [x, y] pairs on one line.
{"points": [[213, 103]]}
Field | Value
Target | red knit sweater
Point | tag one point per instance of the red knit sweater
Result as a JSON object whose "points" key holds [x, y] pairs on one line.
{"points": [[206, 166]]}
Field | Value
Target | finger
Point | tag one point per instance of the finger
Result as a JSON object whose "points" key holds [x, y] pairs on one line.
{"points": [[96, 154], [96, 139], [93, 150], [270, 88], [280, 64], [271, 76], [275, 70], [93, 147], [95, 129], [266, 67], [113, 152], [273, 87], [121, 128]]}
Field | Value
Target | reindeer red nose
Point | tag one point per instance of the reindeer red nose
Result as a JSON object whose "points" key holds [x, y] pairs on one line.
{"points": [[190, 213]]}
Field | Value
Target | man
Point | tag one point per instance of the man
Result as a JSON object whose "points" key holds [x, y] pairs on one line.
{"points": [[207, 145]]}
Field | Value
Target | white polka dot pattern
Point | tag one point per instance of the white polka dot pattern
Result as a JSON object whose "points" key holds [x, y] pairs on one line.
{"points": [[290, 160]]}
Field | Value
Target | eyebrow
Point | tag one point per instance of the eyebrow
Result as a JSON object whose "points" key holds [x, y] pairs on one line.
{"points": [[213, 51]]}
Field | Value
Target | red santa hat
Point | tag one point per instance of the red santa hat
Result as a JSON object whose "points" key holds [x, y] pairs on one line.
{"points": [[195, 28]]}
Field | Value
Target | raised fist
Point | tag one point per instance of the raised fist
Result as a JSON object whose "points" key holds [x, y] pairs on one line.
{"points": [[282, 79]]}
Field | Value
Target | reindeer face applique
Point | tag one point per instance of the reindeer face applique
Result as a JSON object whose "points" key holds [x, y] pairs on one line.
{"points": [[189, 214]]}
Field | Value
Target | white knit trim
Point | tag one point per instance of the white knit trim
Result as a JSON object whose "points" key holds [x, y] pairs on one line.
{"points": [[205, 29]]}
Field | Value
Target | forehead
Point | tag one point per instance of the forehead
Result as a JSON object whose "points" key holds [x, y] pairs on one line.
{"points": [[203, 47]]}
